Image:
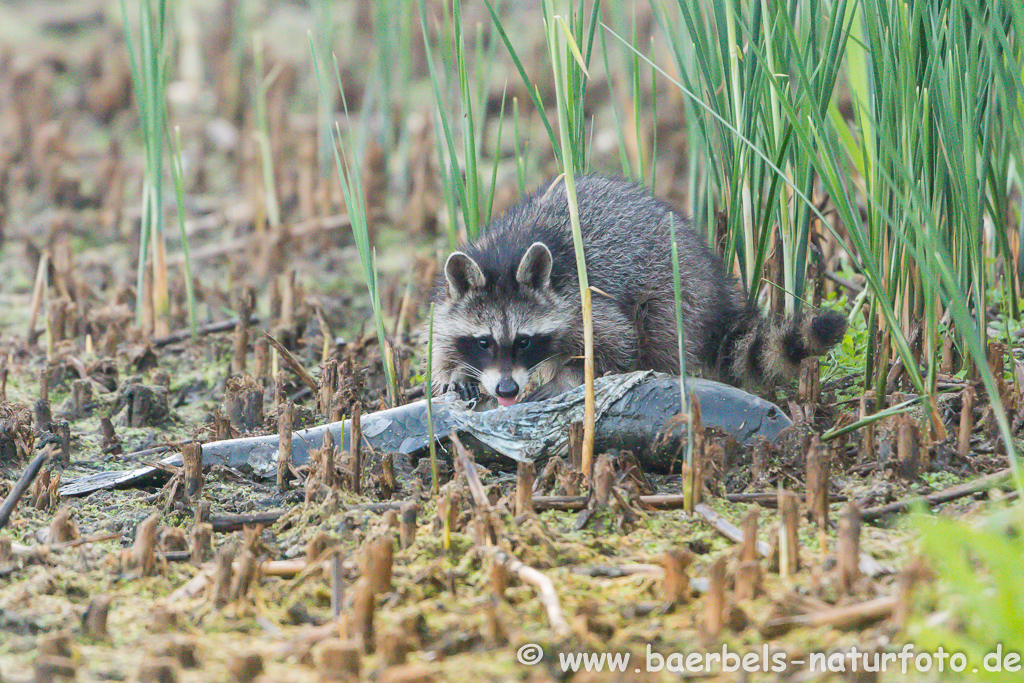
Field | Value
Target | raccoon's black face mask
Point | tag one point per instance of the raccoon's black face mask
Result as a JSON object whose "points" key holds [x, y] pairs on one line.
{"points": [[503, 325]]}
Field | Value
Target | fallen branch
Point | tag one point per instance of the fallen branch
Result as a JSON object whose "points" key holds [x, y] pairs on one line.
{"points": [[228, 523], [617, 571], [997, 479], [843, 282], [198, 583], [569, 503], [218, 249], [770, 499], [636, 406], [209, 328], [194, 586], [727, 528], [846, 617]]}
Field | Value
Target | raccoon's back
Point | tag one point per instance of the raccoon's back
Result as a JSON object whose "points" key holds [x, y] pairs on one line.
{"points": [[626, 241]]}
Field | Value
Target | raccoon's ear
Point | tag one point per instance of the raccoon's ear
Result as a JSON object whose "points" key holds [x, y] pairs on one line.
{"points": [[463, 274], [535, 267]]}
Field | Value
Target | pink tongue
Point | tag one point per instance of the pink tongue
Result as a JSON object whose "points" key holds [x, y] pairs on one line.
{"points": [[505, 401]]}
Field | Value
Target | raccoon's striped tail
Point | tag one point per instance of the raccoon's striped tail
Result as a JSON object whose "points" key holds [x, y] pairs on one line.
{"points": [[766, 351]]}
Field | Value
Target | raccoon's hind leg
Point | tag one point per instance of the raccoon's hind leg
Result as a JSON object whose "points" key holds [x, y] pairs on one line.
{"points": [[763, 352]]}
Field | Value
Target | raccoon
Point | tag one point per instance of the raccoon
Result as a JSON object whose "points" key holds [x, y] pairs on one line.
{"points": [[507, 312]]}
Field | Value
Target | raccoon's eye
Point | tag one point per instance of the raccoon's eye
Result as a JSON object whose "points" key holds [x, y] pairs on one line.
{"points": [[484, 342], [523, 343]]}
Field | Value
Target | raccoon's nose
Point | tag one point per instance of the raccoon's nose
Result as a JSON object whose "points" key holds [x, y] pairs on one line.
{"points": [[507, 388]]}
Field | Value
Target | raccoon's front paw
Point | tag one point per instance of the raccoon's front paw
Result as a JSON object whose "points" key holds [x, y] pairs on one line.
{"points": [[467, 391]]}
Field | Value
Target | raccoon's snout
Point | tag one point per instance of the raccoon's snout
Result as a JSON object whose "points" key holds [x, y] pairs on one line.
{"points": [[506, 391], [503, 383]]}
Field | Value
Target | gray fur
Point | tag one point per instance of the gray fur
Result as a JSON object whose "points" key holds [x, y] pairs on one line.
{"points": [[520, 278]]}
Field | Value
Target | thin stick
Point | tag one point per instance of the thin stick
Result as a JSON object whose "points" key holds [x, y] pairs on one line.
{"points": [[727, 528], [293, 363], [543, 584], [209, 328], [23, 484], [20, 550]]}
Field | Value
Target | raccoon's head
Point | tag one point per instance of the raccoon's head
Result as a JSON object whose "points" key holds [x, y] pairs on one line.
{"points": [[500, 328]]}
